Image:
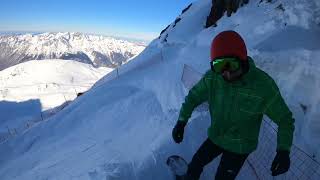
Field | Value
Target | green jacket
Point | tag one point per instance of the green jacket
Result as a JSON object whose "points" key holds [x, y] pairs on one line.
{"points": [[237, 109]]}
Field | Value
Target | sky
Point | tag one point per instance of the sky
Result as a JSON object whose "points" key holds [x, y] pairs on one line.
{"points": [[138, 19]]}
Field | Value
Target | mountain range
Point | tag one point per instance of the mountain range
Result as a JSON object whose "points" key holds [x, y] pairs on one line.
{"points": [[99, 51]]}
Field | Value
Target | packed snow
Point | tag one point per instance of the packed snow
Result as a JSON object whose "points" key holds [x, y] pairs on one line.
{"points": [[121, 128], [31, 91]]}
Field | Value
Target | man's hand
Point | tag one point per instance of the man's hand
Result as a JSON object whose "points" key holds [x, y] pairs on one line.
{"points": [[177, 132], [281, 163]]}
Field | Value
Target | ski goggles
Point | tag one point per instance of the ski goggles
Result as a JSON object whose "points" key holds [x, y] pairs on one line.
{"points": [[220, 64]]}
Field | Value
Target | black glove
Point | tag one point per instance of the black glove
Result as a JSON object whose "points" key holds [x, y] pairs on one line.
{"points": [[177, 132], [281, 163]]}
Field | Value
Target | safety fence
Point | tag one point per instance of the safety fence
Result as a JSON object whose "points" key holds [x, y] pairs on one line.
{"points": [[303, 165]]}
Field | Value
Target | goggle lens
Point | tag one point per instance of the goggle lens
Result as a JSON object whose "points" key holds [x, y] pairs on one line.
{"points": [[218, 65]]}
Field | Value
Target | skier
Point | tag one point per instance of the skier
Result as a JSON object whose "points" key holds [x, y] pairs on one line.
{"points": [[219, 7], [238, 93]]}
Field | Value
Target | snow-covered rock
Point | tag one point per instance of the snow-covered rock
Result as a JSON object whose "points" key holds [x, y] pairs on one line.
{"points": [[91, 49]]}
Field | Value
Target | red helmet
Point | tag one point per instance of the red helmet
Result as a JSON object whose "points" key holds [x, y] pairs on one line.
{"points": [[228, 44]]}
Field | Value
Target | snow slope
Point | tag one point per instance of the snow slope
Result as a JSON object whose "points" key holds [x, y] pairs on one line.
{"points": [[30, 89], [121, 128], [90, 49]]}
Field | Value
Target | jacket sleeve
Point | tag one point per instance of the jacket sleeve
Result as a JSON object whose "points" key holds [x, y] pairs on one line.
{"points": [[278, 111], [197, 95]]}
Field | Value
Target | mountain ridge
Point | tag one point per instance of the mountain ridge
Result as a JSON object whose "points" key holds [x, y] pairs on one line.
{"points": [[99, 51]]}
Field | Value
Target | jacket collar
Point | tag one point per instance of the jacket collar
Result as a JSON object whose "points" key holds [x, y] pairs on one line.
{"points": [[252, 67], [246, 78]]}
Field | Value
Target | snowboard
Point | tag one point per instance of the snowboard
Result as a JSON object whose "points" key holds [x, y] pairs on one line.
{"points": [[178, 166]]}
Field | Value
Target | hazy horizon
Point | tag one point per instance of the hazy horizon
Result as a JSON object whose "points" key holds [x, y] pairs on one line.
{"points": [[141, 19], [11, 33]]}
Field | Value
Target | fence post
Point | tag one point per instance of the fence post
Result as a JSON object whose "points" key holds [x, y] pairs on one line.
{"points": [[162, 57], [117, 72], [64, 98], [75, 91], [9, 130], [41, 116]]}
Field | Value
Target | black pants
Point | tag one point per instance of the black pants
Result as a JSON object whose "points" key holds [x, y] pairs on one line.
{"points": [[229, 166]]}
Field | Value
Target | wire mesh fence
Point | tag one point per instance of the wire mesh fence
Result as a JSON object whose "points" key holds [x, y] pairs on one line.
{"points": [[303, 166]]}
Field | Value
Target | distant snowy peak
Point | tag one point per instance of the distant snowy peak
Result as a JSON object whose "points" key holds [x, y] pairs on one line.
{"points": [[90, 49]]}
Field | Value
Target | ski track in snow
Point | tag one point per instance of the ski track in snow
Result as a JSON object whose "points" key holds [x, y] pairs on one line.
{"points": [[121, 128]]}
